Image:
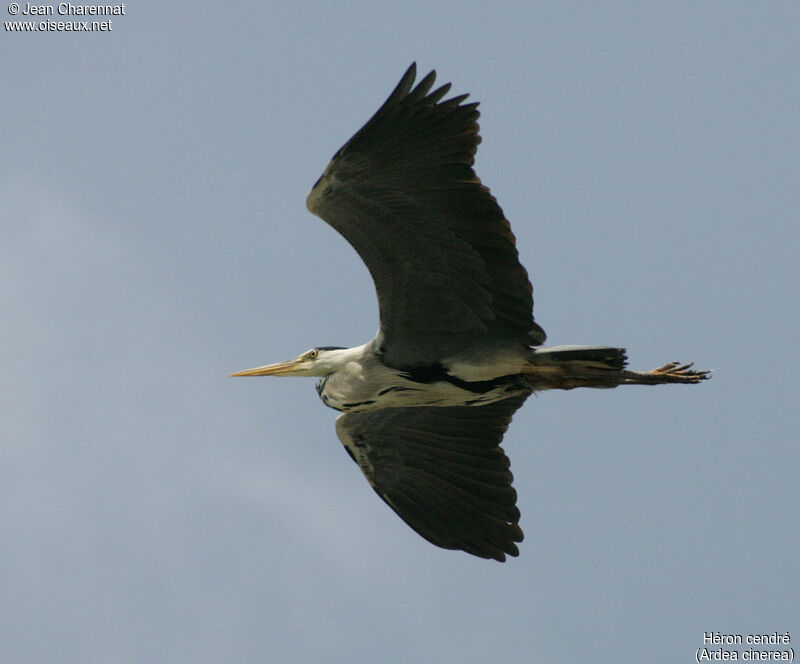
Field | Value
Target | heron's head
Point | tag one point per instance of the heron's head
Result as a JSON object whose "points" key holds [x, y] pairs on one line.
{"points": [[315, 362]]}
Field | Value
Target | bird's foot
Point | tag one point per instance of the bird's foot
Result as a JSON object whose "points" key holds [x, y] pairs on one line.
{"points": [[672, 372]]}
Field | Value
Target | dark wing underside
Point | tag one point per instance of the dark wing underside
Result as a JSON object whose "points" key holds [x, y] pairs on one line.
{"points": [[442, 255], [443, 471]]}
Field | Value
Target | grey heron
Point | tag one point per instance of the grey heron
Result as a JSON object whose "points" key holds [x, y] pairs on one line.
{"points": [[425, 404]]}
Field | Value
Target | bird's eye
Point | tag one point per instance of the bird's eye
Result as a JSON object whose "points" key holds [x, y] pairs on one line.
{"points": [[312, 354]]}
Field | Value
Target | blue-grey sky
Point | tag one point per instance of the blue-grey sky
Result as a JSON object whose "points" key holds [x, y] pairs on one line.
{"points": [[155, 238]]}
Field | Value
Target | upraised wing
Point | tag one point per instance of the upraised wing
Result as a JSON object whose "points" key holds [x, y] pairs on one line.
{"points": [[443, 258], [443, 471]]}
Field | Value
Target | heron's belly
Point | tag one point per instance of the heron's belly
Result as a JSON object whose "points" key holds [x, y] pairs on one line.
{"points": [[401, 392]]}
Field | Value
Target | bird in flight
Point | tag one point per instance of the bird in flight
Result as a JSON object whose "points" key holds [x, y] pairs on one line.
{"points": [[425, 404]]}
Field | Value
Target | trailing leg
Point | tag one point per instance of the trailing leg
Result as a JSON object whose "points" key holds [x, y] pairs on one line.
{"points": [[672, 372], [567, 367]]}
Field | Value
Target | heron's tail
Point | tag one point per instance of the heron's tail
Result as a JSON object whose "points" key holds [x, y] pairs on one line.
{"points": [[565, 367], [601, 357]]}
